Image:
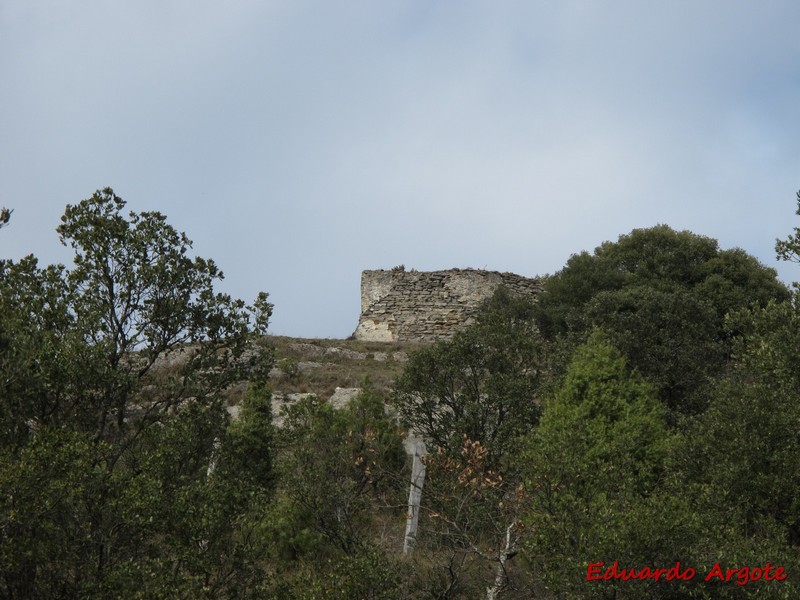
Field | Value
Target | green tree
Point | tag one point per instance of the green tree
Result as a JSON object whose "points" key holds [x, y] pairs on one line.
{"points": [[337, 480], [662, 297], [41, 355], [112, 376], [472, 398], [739, 462], [593, 470], [333, 464], [483, 383], [789, 249], [672, 335]]}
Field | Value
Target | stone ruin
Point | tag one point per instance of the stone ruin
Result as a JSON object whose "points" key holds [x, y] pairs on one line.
{"points": [[399, 305]]}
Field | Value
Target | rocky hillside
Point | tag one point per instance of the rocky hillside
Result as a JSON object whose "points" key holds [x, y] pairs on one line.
{"points": [[331, 369]]}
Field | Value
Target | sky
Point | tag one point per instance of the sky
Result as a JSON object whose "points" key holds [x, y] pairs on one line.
{"points": [[300, 142]]}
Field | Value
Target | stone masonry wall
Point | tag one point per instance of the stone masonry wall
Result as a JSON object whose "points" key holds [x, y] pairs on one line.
{"points": [[399, 305]]}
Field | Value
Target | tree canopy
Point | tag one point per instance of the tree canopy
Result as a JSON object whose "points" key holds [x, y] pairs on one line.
{"points": [[112, 376], [662, 297]]}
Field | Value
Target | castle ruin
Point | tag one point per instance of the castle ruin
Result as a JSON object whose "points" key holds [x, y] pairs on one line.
{"points": [[399, 305]]}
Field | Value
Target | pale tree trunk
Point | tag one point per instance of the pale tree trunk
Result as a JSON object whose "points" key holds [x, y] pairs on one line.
{"points": [[417, 447], [507, 552]]}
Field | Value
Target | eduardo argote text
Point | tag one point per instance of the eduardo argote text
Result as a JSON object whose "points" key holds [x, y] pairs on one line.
{"points": [[599, 571]]}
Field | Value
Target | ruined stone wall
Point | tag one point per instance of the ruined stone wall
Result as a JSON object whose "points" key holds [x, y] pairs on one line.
{"points": [[399, 305]]}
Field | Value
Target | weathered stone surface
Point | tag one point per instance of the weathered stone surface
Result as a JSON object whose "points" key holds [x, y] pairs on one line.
{"points": [[279, 401], [375, 329], [400, 356], [342, 396], [399, 305], [345, 353]]}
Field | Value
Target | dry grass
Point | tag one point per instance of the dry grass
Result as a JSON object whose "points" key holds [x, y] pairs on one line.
{"points": [[319, 366]]}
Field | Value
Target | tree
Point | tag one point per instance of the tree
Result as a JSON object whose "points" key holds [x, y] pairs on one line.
{"points": [[593, 470], [789, 249], [41, 355], [659, 293], [112, 376], [337, 471], [483, 383], [136, 290], [333, 463], [472, 398], [738, 463], [672, 335]]}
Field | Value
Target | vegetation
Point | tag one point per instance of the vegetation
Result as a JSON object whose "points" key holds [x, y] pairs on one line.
{"points": [[319, 366], [106, 457], [637, 423], [601, 451], [661, 296]]}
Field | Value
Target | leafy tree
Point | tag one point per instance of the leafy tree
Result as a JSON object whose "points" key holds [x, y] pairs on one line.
{"points": [[136, 290], [672, 336], [112, 376], [744, 449], [369, 574], [472, 398], [337, 470], [333, 463], [482, 384], [659, 294], [738, 462], [594, 468], [41, 355], [469, 527], [45, 520]]}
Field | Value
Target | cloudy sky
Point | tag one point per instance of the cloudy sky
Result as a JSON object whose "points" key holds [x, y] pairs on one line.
{"points": [[299, 142]]}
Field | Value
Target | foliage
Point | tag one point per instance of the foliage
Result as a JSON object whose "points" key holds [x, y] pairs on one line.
{"points": [[736, 466], [338, 473], [333, 464], [371, 573], [122, 474], [592, 467], [116, 459], [471, 399], [481, 384], [42, 356], [672, 335], [789, 249], [659, 294], [469, 526], [44, 516]]}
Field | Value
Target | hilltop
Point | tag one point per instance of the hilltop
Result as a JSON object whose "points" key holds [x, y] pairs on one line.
{"points": [[320, 366]]}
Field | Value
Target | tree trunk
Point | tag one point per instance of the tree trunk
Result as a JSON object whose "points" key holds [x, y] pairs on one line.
{"points": [[506, 553], [416, 447]]}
